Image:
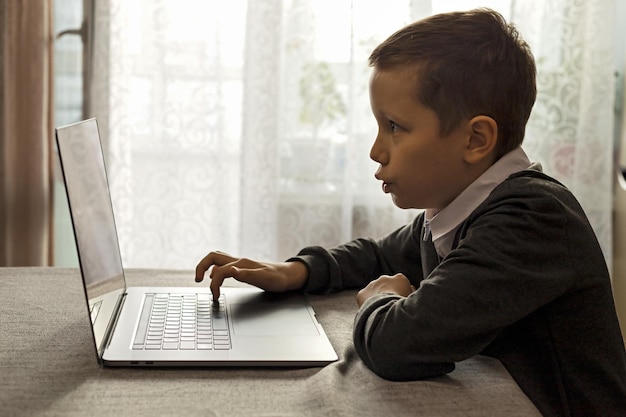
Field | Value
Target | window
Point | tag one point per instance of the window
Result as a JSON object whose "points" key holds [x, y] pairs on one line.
{"points": [[68, 108]]}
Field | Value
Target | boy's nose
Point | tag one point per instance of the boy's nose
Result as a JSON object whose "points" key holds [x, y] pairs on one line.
{"points": [[377, 153]]}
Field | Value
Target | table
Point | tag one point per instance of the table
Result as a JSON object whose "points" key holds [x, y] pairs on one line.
{"points": [[48, 367]]}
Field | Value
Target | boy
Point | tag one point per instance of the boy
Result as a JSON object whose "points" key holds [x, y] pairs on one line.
{"points": [[502, 262]]}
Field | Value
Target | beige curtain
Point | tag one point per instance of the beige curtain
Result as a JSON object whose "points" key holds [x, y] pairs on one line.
{"points": [[26, 132]]}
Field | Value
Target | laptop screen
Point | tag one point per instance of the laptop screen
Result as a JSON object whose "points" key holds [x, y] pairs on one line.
{"points": [[87, 189]]}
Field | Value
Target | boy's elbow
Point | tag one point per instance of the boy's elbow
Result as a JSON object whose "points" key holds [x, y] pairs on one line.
{"points": [[394, 361], [394, 365]]}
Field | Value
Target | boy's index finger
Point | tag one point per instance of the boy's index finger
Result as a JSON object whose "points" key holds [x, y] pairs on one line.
{"points": [[218, 276], [216, 283]]}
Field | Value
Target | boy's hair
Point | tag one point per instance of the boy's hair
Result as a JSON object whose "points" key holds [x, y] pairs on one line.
{"points": [[468, 64]]}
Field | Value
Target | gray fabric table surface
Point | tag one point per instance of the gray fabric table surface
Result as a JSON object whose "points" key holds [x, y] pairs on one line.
{"points": [[48, 367]]}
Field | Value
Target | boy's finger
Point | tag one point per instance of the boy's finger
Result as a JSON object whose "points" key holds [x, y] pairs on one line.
{"points": [[216, 283], [213, 258], [203, 266], [219, 275]]}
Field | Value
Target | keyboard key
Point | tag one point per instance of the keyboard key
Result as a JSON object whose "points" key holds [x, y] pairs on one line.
{"points": [[204, 346], [153, 347], [188, 345]]}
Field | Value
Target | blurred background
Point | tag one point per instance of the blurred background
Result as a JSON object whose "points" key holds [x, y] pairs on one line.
{"points": [[244, 126]]}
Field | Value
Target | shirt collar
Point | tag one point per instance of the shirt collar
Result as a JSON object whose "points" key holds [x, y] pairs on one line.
{"points": [[443, 225]]}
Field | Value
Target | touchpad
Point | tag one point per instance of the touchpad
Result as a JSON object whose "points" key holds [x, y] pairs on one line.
{"points": [[272, 319]]}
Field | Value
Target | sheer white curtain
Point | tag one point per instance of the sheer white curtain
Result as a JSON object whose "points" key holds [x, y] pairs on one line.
{"points": [[244, 126], [241, 126], [571, 130]]}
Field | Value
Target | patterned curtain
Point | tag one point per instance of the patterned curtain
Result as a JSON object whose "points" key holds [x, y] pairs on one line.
{"points": [[571, 130], [240, 126], [244, 126]]}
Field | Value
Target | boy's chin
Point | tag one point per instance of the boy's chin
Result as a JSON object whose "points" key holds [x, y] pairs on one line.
{"points": [[400, 203]]}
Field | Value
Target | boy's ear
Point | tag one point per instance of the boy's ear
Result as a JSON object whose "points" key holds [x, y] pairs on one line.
{"points": [[483, 138]]}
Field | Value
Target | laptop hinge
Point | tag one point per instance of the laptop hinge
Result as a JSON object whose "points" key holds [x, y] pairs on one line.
{"points": [[111, 328]]}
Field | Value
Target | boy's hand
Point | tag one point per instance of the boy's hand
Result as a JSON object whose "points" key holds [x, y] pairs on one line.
{"points": [[386, 284], [275, 277]]}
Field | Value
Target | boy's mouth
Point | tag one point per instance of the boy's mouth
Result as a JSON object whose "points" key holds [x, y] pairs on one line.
{"points": [[385, 185]]}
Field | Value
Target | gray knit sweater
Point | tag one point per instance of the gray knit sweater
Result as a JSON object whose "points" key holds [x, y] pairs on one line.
{"points": [[525, 282]]}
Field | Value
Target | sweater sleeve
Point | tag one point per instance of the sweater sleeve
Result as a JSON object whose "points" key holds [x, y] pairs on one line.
{"points": [[354, 264]]}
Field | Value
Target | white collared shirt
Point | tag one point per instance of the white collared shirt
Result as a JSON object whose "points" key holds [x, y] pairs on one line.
{"points": [[445, 223]]}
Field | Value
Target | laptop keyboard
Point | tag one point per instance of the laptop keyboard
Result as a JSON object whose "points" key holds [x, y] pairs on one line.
{"points": [[182, 322]]}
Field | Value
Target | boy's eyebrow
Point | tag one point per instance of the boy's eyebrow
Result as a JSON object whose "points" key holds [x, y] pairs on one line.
{"points": [[383, 115], [396, 118]]}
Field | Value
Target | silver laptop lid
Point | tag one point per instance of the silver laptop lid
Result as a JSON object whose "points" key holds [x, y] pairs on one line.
{"points": [[86, 185]]}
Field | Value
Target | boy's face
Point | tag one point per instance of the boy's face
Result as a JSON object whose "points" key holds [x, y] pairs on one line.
{"points": [[418, 167]]}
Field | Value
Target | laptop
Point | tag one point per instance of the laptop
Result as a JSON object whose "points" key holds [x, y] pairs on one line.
{"points": [[172, 326]]}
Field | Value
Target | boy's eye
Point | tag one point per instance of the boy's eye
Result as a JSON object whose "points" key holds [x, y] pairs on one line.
{"points": [[393, 126]]}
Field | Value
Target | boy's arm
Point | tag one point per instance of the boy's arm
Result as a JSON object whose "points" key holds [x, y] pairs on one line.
{"points": [[316, 269]]}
